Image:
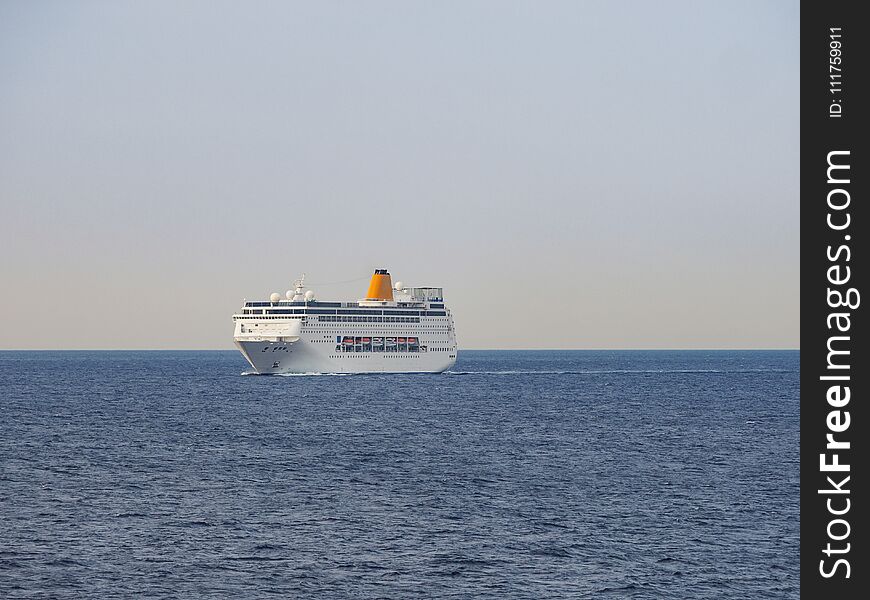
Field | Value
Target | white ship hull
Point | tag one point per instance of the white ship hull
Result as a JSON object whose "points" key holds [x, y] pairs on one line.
{"points": [[274, 358]]}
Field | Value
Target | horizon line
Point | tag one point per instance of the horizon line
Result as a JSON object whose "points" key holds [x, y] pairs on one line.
{"points": [[665, 349]]}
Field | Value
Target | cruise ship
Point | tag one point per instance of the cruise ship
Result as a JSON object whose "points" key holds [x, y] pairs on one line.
{"points": [[394, 329]]}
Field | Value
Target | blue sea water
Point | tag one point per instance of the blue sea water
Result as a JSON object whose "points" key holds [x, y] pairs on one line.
{"points": [[575, 474]]}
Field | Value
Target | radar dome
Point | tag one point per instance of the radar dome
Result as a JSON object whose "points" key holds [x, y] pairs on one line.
{"points": [[289, 294], [309, 295], [275, 297], [400, 286]]}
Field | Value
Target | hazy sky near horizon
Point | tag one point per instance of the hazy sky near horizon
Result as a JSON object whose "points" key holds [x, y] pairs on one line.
{"points": [[574, 174]]}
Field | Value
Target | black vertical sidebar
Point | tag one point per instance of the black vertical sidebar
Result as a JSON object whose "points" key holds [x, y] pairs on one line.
{"points": [[835, 375]]}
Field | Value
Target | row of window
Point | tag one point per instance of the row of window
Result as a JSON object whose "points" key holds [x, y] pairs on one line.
{"points": [[354, 355], [309, 311], [297, 303], [319, 304], [349, 343], [332, 319], [258, 317]]}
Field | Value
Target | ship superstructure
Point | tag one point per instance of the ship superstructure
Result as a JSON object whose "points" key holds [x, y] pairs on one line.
{"points": [[394, 329]]}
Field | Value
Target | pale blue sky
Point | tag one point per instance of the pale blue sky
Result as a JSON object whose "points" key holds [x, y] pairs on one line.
{"points": [[574, 174]]}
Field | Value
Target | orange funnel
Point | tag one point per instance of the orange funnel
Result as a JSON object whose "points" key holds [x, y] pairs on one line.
{"points": [[381, 287]]}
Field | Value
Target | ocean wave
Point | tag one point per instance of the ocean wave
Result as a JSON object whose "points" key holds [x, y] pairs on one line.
{"points": [[618, 372]]}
